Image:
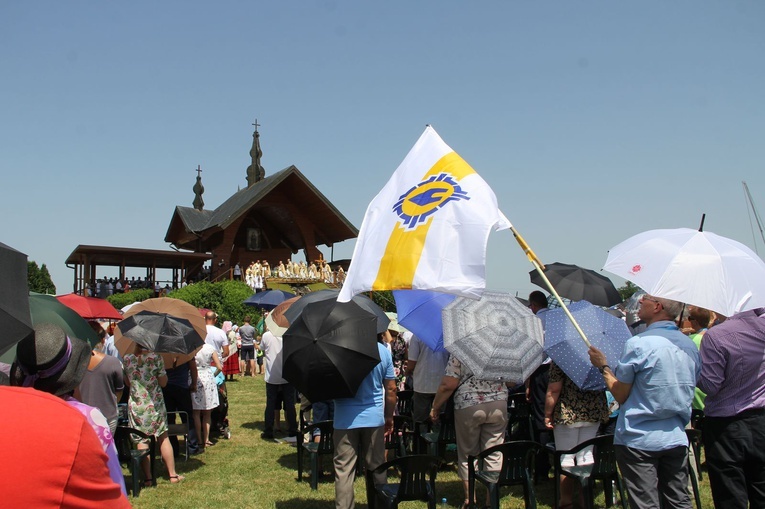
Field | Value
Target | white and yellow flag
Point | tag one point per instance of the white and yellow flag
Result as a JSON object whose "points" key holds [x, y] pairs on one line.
{"points": [[427, 228]]}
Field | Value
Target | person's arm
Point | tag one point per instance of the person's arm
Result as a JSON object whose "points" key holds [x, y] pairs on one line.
{"points": [[619, 390], [445, 389], [410, 365], [390, 405], [159, 366], [194, 375], [225, 351], [216, 361], [551, 399], [713, 365]]}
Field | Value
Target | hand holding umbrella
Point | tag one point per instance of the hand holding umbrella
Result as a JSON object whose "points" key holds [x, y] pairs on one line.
{"points": [[597, 358]]}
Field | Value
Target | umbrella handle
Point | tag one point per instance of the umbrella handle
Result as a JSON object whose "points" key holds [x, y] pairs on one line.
{"points": [[540, 269]]}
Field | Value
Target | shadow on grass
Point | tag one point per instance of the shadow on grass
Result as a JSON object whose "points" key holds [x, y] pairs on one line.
{"points": [[308, 503], [256, 425], [193, 463]]}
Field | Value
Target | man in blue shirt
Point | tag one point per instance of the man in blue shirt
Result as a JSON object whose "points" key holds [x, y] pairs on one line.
{"points": [[654, 384], [361, 424]]}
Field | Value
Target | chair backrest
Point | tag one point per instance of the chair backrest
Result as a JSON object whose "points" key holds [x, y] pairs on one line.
{"points": [[518, 418], [447, 434], [603, 454], [403, 427], [417, 476], [124, 444], [405, 403], [697, 418], [517, 460], [326, 429]]}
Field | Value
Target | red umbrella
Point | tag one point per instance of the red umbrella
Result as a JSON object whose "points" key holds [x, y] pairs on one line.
{"points": [[90, 308]]}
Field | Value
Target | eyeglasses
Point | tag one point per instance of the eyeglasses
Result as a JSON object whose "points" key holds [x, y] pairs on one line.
{"points": [[644, 297]]}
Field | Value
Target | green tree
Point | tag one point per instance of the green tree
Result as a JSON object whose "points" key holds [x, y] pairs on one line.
{"points": [[224, 297], [627, 290], [120, 300], [384, 299], [38, 279]]}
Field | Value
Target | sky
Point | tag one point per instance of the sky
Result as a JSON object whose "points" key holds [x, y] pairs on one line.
{"points": [[592, 121]]}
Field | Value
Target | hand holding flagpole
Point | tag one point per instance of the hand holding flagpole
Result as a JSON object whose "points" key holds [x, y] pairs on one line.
{"points": [[540, 269]]}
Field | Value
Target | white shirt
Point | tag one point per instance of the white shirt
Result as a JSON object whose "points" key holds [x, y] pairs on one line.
{"points": [[216, 338], [272, 351], [430, 366]]}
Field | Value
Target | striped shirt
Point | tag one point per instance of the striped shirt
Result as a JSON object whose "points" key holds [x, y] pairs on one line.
{"points": [[733, 365]]}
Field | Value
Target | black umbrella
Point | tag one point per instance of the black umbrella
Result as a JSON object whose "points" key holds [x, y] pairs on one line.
{"points": [[576, 283], [15, 320], [365, 302], [161, 332], [329, 349]]}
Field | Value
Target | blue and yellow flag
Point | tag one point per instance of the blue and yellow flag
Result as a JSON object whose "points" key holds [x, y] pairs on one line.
{"points": [[427, 228]]}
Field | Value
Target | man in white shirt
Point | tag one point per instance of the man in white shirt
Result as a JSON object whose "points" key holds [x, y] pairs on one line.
{"points": [[426, 367], [277, 388], [216, 338]]}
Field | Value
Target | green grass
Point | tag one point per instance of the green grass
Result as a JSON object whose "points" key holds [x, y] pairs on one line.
{"points": [[248, 472]]}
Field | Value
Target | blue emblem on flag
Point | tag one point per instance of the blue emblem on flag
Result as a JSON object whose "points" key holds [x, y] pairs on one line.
{"points": [[416, 205]]}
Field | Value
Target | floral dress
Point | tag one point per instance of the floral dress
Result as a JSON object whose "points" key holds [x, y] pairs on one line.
{"points": [[398, 351], [146, 406], [206, 395], [575, 405], [471, 390]]}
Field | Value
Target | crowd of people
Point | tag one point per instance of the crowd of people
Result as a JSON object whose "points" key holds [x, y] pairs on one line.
{"points": [[258, 271], [680, 358]]}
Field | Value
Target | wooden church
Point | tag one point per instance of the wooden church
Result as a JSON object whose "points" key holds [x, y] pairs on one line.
{"points": [[271, 219]]}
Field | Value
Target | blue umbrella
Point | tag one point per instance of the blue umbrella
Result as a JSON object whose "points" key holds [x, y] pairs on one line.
{"points": [[565, 347], [268, 299], [420, 312]]}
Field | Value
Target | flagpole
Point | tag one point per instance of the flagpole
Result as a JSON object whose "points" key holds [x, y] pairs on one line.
{"points": [[540, 269]]}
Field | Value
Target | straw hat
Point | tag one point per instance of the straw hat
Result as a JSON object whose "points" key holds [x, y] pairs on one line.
{"points": [[50, 361]]}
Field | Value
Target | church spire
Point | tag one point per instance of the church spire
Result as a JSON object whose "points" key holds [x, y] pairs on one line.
{"points": [[198, 190], [255, 172]]}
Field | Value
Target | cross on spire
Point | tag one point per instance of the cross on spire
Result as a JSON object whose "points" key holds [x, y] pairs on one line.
{"points": [[199, 169], [256, 125]]}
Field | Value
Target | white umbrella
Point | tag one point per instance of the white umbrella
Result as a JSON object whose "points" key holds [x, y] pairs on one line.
{"points": [[497, 337], [127, 308], [691, 266]]}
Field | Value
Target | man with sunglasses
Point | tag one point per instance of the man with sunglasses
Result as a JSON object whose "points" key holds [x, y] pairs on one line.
{"points": [[654, 383]]}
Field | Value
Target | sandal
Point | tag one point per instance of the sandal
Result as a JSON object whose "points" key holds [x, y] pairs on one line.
{"points": [[208, 444], [175, 479]]}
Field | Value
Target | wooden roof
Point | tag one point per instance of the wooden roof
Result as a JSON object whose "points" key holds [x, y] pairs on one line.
{"points": [[132, 257], [274, 200]]}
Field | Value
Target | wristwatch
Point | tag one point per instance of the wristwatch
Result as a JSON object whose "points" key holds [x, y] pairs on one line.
{"points": [[602, 369]]}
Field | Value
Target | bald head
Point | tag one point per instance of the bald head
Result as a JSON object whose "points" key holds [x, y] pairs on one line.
{"points": [[211, 317]]}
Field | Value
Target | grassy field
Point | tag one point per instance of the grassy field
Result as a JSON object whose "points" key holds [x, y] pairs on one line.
{"points": [[248, 472]]}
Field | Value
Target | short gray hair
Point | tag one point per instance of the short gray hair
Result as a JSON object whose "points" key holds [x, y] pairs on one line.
{"points": [[672, 307]]}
